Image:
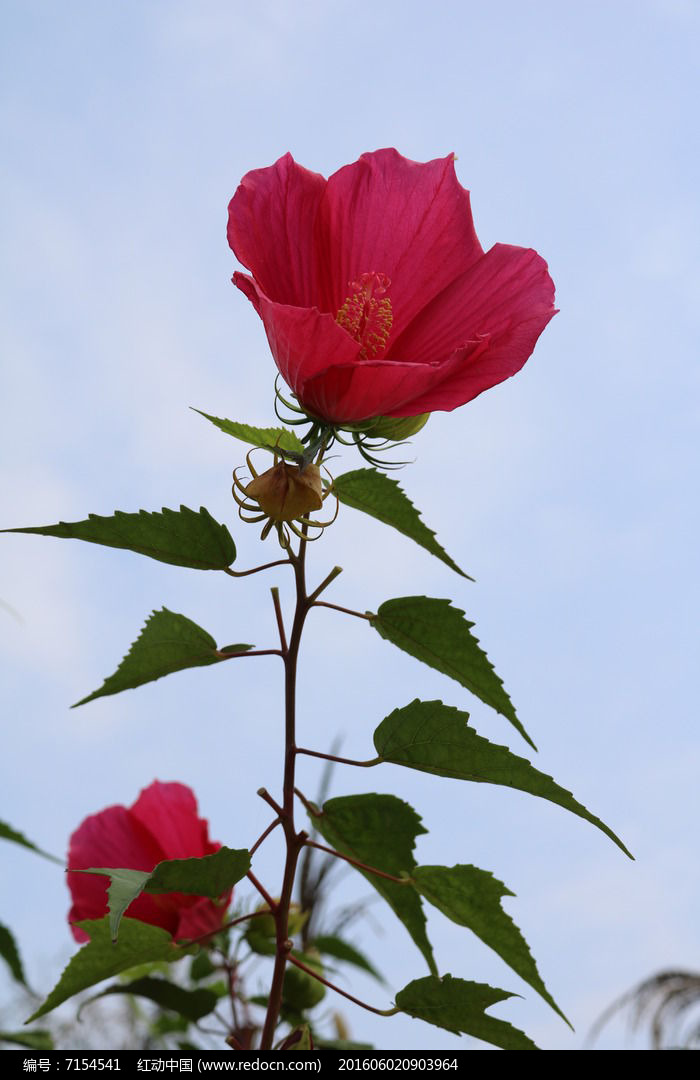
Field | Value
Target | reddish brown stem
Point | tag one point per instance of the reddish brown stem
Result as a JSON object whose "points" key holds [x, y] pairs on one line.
{"points": [[294, 842], [280, 621], [345, 610], [255, 569], [227, 926], [356, 862], [264, 836], [262, 890], [248, 652], [340, 760], [344, 993]]}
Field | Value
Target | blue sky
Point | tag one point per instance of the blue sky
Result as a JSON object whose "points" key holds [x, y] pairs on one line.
{"points": [[567, 492]]}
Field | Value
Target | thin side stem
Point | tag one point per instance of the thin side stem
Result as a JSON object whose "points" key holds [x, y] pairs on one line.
{"points": [[345, 610], [263, 836], [344, 993], [262, 890], [280, 621], [325, 583], [256, 569], [307, 804], [356, 862], [266, 797], [227, 926], [340, 760], [249, 652]]}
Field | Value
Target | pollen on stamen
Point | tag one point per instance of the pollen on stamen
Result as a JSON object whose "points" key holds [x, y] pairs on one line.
{"points": [[366, 314]]}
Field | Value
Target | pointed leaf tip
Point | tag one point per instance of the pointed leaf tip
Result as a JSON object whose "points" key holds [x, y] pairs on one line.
{"points": [[460, 1006], [207, 875], [438, 634], [272, 439], [168, 642], [15, 837], [381, 497], [472, 898], [380, 831], [100, 958], [437, 738], [181, 537]]}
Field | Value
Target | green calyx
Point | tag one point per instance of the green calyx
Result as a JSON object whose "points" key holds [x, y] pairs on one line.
{"points": [[392, 428]]}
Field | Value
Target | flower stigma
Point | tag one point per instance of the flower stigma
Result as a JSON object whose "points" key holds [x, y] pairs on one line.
{"points": [[366, 314]]}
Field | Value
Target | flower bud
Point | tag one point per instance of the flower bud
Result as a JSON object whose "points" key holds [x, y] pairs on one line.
{"points": [[286, 492], [301, 991], [260, 934]]}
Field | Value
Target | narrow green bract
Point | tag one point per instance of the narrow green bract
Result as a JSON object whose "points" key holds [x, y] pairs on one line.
{"points": [[168, 642], [181, 537], [380, 831], [437, 738], [280, 439], [459, 1006], [438, 634], [379, 495]]}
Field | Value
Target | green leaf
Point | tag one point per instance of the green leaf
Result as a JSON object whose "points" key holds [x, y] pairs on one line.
{"points": [[436, 738], [167, 643], [201, 966], [209, 875], [33, 1040], [380, 831], [472, 897], [10, 954], [331, 945], [179, 537], [380, 496], [139, 943], [15, 837], [279, 439], [192, 1004], [438, 634], [459, 1006]]}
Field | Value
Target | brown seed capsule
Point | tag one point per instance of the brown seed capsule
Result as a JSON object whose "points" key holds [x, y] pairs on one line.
{"points": [[286, 492]]}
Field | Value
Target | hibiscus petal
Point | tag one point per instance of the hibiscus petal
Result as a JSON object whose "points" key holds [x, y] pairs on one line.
{"points": [[303, 341], [110, 838], [348, 393], [270, 228], [201, 918], [169, 811], [507, 286], [393, 216]]}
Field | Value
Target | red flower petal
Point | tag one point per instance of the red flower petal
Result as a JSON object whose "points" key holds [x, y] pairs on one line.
{"points": [[397, 217], [449, 322], [506, 286], [348, 393], [162, 824], [303, 341], [281, 202], [111, 838], [505, 301], [169, 812], [201, 918]]}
